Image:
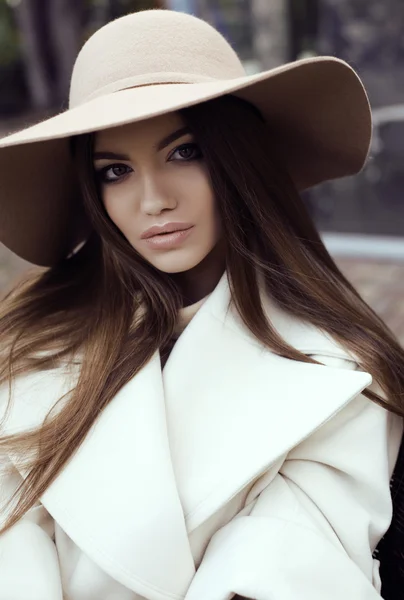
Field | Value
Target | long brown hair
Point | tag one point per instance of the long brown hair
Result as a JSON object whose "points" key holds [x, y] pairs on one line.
{"points": [[88, 303]]}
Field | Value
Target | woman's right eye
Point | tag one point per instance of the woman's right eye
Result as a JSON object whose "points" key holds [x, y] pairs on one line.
{"points": [[113, 173]]}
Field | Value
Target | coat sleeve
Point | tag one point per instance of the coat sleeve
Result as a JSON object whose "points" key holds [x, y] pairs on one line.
{"points": [[29, 567], [312, 529]]}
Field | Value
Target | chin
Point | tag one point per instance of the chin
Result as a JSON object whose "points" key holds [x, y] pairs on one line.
{"points": [[176, 264]]}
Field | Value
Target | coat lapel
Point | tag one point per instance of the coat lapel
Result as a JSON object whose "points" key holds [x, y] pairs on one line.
{"points": [[234, 408], [117, 497], [118, 500], [172, 448]]}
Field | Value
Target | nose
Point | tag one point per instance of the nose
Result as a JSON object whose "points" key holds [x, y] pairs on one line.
{"points": [[156, 197]]}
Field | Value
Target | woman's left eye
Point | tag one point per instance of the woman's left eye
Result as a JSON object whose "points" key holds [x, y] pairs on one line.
{"points": [[186, 152]]}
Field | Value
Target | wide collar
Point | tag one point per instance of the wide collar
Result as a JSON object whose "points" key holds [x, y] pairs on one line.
{"points": [[172, 448]]}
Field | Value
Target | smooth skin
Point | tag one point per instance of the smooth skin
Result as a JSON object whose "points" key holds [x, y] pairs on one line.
{"points": [[152, 173]]}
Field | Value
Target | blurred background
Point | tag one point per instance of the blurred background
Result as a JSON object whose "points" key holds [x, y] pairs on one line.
{"points": [[361, 219]]}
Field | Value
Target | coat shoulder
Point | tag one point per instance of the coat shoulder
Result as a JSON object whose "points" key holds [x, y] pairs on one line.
{"points": [[309, 339]]}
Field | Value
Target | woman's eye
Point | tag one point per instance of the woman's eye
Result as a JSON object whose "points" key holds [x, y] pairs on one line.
{"points": [[113, 173], [186, 152]]}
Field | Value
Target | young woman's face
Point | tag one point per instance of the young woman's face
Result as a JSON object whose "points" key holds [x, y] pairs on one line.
{"points": [[156, 189]]}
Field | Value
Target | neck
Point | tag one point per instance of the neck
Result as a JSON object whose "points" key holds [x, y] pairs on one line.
{"points": [[202, 279]]}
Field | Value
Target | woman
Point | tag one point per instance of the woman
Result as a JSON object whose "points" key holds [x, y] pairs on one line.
{"points": [[187, 398]]}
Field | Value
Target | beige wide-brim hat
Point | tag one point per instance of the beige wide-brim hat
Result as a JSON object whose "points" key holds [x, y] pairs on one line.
{"points": [[157, 61]]}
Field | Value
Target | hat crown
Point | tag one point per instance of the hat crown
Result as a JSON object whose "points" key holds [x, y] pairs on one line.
{"points": [[151, 47]]}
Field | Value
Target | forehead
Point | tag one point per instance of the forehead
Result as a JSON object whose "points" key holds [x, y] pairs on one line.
{"points": [[147, 131]]}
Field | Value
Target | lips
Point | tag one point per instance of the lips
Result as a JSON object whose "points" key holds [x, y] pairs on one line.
{"points": [[160, 230], [167, 237]]}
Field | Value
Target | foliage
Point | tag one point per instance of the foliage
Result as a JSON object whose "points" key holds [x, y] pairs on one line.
{"points": [[9, 42]]}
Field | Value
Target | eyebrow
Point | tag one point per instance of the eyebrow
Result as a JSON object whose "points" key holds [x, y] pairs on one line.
{"points": [[169, 139], [172, 137]]}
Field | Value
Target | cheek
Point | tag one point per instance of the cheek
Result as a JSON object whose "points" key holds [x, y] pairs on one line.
{"points": [[202, 204], [209, 216], [117, 206]]}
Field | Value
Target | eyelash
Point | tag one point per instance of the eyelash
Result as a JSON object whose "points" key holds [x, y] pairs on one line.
{"points": [[102, 173]]}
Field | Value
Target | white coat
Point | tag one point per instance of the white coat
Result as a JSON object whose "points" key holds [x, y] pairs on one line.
{"points": [[233, 471]]}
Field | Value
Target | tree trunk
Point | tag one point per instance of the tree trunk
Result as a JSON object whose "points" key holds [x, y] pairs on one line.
{"points": [[65, 32], [31, 22], [51, 32]]}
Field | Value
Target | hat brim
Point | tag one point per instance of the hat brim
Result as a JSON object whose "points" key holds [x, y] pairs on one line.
{"points": [[317, 108]]}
